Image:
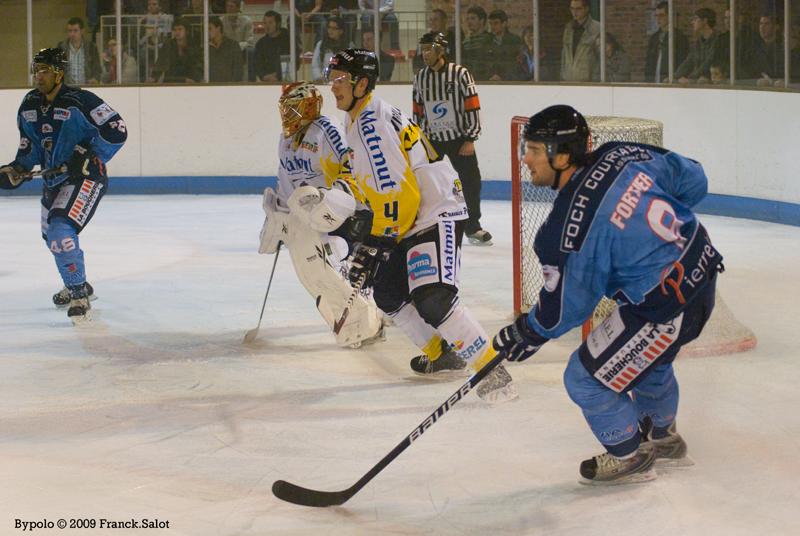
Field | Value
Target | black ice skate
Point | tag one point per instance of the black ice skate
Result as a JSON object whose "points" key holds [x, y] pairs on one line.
{"points": [[608, 470], [62, 299], [480, 238], [79, 307], [497, 387], [445, 366], [670, 450]]}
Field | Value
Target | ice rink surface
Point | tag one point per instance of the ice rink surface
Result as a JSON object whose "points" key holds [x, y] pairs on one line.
{"points": [[158, 411]]}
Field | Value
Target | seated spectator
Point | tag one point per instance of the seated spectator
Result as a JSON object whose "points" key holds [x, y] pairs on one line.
{"points": [[179, 62], [580, 45], [506, 47], [224, 55], [273, 49], [438, 24], [719, 73], [307, 12], [618, 63], [476, 50], [656, 63], [526, 59], [387, 16], [347, 10], [386, 60], [153, 30], [84, 60], [765, 58], [703, 51], [332, 43], [130, 68], [237, 26]]}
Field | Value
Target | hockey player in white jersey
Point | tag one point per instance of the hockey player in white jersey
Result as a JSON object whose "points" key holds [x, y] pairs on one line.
{"points": [[622, 226], [313, 152], [410, 255]]}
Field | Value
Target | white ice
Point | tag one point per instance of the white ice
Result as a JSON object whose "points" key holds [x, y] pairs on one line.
{"points": [[158, 411]]}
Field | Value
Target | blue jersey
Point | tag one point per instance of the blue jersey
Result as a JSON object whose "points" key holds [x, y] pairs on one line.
{"points": [[623, 227], [49, 132]]}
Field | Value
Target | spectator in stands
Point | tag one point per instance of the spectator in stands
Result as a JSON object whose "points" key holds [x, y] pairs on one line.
{"points": [[387, 16], [580, 50], [718, 72], [618, 63], [526, 59], [332, 43], [745, 38], [477, 47], [347, 10], [386, 60], [224, 55], [273, 49], [237, 26], [179, 62], [153, 31], [696, 65], [656, 64], [506, 47], [130, 68], [438, 24], [307, 12], [134, 7], [765, 58], [84, 60]]}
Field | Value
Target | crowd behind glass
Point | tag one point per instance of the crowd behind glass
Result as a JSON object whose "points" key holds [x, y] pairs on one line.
{"points": [[232, 41]]}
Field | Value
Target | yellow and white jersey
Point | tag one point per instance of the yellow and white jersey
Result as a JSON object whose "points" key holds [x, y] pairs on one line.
{"points": [[315, 157], [394, 168]]}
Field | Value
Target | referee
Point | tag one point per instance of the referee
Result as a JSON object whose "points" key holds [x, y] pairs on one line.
{"points": [[446, 107]]}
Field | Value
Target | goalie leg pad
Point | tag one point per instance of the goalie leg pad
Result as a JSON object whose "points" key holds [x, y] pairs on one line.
{"points": [[364, 322], [274, 230]]}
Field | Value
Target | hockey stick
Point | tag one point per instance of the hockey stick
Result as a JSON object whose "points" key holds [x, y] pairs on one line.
{"points": [[251, 335], [339, 324], [45, 173], [292, 493]]}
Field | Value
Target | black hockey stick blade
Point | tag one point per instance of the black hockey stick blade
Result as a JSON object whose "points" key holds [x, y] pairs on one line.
{"points": [[295, 494]]}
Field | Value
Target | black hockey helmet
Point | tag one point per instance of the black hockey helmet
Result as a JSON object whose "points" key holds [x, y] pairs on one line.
{"points": [[562, 129], [359, 62], [55, 57], [435, 39]]}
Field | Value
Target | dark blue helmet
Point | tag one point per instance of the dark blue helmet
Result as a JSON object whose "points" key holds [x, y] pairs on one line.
{"points": [[55, 57], [562, 129], [360, 63]]}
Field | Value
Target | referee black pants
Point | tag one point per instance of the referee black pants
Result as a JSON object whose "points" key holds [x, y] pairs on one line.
{"points": [[470, 175]]}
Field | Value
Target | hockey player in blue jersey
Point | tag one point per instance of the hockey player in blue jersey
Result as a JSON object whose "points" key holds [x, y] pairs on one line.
{"points": [[622, 227], [74, 133]]}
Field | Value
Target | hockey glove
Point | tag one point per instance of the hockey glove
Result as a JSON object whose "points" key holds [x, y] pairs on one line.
{"points": [[78, 163], [518, 341], [364, 264], [11, 176]]}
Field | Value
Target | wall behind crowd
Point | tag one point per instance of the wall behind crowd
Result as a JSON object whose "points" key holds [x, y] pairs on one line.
{"points": [[743, 138]]}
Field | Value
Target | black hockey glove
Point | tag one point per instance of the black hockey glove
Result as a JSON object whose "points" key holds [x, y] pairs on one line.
{"points": [[357, 227], [364, 264], [78, 163], [518, 341], [12, 176]]}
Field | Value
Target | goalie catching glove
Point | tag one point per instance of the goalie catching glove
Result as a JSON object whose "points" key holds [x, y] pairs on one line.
{"points": [[518, 341]]}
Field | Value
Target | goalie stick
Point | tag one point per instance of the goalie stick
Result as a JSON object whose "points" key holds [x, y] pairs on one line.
{"points": [[295, 494], [339, 324], [251, 335]]}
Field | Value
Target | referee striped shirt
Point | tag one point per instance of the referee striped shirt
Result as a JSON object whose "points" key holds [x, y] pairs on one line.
{"points": [[446, 104]]}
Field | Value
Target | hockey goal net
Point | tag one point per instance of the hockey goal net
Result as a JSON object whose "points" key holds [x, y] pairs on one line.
{"points": [[531, 205]]}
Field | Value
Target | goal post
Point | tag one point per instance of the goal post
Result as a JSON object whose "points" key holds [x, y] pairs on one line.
{"points": [[531, 205]]}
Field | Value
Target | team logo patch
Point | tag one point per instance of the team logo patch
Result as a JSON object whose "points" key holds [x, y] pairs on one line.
{"points": [[63, 196], [420, 265], [467, 351], [102, 113], [30, 116], [641, 351], [24, 143], [47, 128], [61, 114], [551, 277], [85, 201], [439, 109]]}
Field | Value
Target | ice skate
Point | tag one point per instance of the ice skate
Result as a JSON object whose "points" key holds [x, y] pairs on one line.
{"points": [[670, 450], [497, 387], [447, 365], [608, 470], [62, 299], [79, 307], [480, 238]]}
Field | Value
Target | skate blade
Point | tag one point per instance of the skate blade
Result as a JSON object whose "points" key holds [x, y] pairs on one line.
{"points": [[81, 320], [502, 395], [65, 306], [636, 478], [674, 463], [442, 375]]}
